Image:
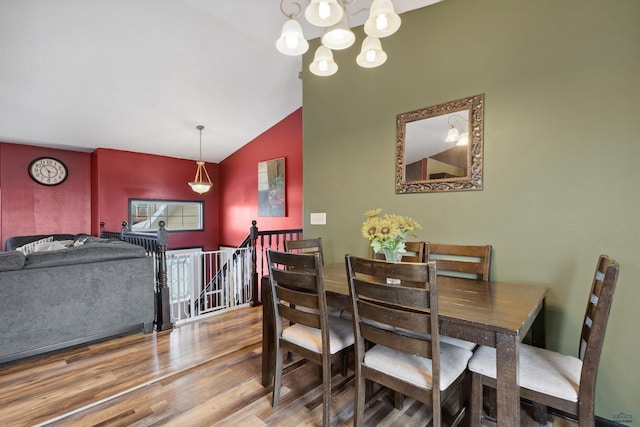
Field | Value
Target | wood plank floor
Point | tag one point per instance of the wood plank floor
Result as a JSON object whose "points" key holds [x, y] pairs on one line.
{"points": [[205, 373]]}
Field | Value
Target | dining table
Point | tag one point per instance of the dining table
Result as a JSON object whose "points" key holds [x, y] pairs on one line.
{"points": [[490, 313]]}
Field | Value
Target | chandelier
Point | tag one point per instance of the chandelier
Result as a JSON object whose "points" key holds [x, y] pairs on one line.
{"points": [[199, 185], [332, 15]]}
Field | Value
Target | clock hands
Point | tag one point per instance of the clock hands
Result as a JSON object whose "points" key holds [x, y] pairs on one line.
{"points": [[49, 171]]}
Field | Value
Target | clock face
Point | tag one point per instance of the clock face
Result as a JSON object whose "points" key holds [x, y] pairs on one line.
{"points": [[48, 171]]}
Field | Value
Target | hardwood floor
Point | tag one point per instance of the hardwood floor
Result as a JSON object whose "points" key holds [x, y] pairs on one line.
{"points": [[205, 373]]}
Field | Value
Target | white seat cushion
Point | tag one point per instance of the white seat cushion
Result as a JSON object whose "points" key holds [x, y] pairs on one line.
{"points": [[418, 370], [540, 370], [340, 335]]}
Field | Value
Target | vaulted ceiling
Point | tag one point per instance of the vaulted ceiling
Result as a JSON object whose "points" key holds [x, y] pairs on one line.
{"points": [[141, 75]]}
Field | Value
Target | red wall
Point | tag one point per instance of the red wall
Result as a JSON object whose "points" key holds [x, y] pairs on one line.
{"points": [[31, 208], [120, 175], [101, 183], [239, 177]]}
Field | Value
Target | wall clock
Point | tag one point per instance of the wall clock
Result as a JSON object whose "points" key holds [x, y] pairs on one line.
{"points": [[48, 171]]}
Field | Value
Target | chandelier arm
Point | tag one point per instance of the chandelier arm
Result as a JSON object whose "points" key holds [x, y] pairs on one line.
{"points": [[291, 15], [206, 173]]}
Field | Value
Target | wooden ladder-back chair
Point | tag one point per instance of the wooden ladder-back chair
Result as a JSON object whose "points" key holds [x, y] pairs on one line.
{"points": [[385, 353], [552, 379], [417, 250], [455, 259], [298, 294], [305, 246]]}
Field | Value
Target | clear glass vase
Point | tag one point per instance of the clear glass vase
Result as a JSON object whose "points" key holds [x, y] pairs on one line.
{"points": [[394, 256]]}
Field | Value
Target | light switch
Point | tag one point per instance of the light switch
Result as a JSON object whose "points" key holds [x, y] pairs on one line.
{"points": [[318, 218]]}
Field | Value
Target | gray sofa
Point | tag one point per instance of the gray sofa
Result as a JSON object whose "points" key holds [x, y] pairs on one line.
{"points": [[56, 299]]}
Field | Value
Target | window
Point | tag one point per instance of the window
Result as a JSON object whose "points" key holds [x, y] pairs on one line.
{"points": [[144, 215]]}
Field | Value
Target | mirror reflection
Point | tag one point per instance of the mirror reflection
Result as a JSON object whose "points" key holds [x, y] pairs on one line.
{"points": [[439, 148]]}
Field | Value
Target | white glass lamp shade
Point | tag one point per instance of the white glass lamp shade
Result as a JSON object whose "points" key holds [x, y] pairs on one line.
{"points": [[323, 63], [383, 21], [292, 41], [339, 36], [371, 54], [453, 135], [464, 139], [323, 13], [199, 185]]}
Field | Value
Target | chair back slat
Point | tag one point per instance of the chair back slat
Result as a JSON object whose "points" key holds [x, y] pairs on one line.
{"points": [[297, 315], [305, 246], [412, 345], [296, 279], [299, 298], [472, 260]]}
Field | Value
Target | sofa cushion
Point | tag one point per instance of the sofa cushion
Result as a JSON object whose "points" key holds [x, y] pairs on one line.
{"points": [[87, 253], [12, 260]]}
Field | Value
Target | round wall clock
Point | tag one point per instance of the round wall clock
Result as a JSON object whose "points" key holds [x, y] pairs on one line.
{"points": [[48, 171]]}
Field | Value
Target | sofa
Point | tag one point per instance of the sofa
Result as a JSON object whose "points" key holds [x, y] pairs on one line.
{"points": [[79, 289]]}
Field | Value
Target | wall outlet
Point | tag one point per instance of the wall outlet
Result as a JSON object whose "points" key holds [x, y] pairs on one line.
{"points": [[318, 218]]}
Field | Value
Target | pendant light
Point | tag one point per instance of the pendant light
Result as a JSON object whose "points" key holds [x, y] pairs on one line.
{"points": [[199, 185]]}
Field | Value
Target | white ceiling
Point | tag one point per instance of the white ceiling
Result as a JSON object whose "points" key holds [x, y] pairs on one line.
{"points": [[140, 75]]}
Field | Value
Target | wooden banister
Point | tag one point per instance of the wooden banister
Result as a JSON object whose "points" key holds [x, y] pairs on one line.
{"points": [[260, 241]]}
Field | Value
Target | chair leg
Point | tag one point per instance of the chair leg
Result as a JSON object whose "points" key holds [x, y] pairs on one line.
{"points": [[476, 400], [277, 381], [345, 364], [540, 413], [358, 410], [398, 400], [326, 395]]}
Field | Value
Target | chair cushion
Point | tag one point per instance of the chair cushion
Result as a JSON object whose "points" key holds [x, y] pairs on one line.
{"points": [[340, 335], [418, 370], [540, 370]]}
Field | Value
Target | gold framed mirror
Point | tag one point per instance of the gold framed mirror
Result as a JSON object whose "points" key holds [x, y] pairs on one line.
{"points": [[440, 148]]}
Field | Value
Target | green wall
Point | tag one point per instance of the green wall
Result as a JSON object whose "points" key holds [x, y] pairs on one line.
{"points": [[562, 96]]}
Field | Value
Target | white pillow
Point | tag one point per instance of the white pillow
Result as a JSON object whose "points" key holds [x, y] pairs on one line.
{"points": [[56, 245], [30, 247]]}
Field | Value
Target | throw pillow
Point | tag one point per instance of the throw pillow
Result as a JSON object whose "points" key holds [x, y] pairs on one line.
{"points": [[56, 245], [80, 240], [30, 247]]}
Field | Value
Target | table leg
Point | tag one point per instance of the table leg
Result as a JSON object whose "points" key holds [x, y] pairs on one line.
{"points": [[508, 390], [268, 334]]}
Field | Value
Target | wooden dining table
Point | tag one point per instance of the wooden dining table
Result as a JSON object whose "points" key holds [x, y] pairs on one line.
{"points": [[494, 314]]}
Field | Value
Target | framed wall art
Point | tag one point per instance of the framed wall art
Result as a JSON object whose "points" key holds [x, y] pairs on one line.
{"points": [[271, 188]]}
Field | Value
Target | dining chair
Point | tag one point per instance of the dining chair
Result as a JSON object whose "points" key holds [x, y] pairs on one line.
{"points": [[417, 250], [410, 365], [551, 379], [297, 289], [467, 261], [305, 246]]}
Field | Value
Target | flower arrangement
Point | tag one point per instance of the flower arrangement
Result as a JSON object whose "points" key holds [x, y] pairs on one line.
{"points": [[387, 233]]}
